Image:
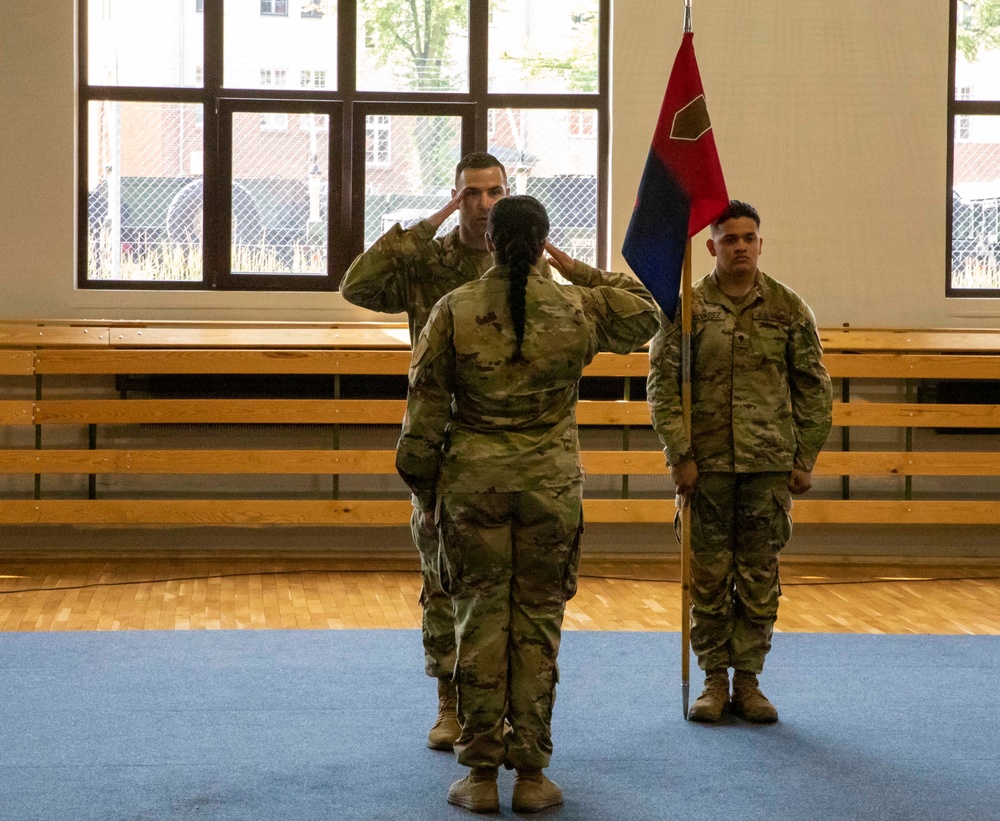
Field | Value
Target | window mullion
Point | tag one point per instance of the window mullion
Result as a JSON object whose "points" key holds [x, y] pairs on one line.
{"points": [[479, 72], [214, 219]]}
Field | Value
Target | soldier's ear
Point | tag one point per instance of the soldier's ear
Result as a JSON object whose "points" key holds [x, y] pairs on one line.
{"points": [[710, 244]]}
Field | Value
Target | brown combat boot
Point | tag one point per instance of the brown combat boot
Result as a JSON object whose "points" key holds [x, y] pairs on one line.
{"points": [[749, 701], [446, 729], [533, 792], [477, 792], [714, 697]]}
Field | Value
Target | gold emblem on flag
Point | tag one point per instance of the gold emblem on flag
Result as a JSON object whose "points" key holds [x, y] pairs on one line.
{"points": [[691, 122]]}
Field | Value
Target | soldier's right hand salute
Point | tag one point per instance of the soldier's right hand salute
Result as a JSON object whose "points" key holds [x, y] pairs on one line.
{"points": [[437, 219]]}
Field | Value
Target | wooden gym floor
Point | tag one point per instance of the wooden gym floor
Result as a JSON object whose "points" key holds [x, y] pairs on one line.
{"points": [[186, 592]]}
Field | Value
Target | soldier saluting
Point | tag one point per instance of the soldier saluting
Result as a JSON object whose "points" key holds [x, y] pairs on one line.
{"points": [[490, 449], [408, 270], [761, 411]]}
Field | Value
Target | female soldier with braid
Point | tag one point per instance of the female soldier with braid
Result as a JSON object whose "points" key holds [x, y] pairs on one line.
{"points": [[489, 448]]}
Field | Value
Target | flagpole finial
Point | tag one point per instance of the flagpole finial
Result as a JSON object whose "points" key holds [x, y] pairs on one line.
{"points": [[688, 27]]}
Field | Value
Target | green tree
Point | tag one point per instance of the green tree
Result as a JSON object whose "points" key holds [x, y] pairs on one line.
{"points": [[978, 27], [412, 36], [577, 64]]}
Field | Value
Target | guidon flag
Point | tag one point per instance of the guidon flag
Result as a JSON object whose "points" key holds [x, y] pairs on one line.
{"points": [[682, 189]]}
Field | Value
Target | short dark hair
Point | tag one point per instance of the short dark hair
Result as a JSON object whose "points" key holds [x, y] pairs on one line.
{"points": [[735, 210], [479, 159]]}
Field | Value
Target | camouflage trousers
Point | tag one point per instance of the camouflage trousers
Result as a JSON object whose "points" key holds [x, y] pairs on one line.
{"points": [[510, 561], [438, 621], [739, 524]]}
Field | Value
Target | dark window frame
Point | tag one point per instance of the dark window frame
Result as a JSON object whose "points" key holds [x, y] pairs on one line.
{"points": [[960, 108], [227, 279], [361, 110], [346, 105]]}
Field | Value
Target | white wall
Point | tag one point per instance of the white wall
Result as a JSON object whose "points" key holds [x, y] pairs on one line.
{"points": [[829, 117]]}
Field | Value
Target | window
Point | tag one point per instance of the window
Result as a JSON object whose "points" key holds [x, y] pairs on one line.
{"points": [[963, 129], [312, 79], [314, 122], [273, 7], [377, 140], [583, 123], [973, 263], [266, 156], [273, 77]]}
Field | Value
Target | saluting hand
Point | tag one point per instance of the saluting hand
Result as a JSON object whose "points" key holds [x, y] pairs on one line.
{"points": [[560, 260], [437, 219]]}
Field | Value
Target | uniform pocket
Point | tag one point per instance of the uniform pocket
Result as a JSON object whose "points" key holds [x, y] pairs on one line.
{"points": [[783, 499], [572, 574], [447, 569]]}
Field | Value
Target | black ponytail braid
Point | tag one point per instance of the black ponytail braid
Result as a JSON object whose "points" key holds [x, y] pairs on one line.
{"points": [[518, 227], [519, 262]]}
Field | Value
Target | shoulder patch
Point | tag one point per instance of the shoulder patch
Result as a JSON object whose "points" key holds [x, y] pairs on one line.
{"points": [[419, 350]]}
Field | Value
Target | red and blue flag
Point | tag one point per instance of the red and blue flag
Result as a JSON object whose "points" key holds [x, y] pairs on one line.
{"points": [[682, 189]]}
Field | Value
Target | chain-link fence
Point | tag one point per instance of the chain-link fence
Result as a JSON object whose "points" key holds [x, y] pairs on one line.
{"points": [[409, 170], [279, 193], [144, 205], [975, 215], [552, 155], [975, 245]]}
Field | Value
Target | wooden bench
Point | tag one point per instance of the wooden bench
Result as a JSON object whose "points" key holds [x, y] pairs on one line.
{"points": [[48, 351]]}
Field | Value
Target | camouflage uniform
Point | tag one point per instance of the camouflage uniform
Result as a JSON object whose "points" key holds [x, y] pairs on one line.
{"points": [[408, 270], [760, 405], [492, 446]]}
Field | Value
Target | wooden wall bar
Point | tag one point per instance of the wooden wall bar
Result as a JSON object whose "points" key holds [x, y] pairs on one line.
{"points": [[87, 358]]}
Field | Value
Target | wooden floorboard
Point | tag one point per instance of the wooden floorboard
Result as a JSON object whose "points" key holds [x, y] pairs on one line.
{"points": [[174, 592]]}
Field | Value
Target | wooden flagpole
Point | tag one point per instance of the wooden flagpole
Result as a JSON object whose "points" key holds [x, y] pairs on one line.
{"points": [[685, 507]]}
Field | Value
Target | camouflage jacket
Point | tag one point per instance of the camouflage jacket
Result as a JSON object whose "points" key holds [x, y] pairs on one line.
{"points": [[476, 422], [409, 269], [761, 398]]}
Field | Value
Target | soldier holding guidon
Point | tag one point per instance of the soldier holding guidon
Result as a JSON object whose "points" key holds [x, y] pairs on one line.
{"points": [[761, 404]]}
